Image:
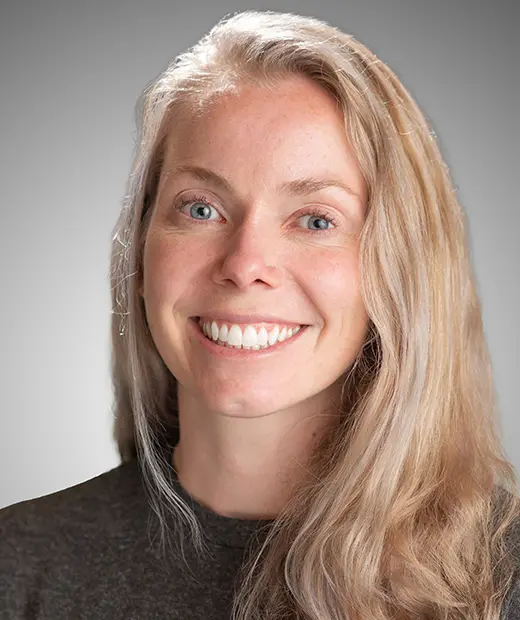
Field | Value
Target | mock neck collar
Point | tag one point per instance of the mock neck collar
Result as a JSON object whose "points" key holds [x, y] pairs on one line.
{"points": [[218, 529]]}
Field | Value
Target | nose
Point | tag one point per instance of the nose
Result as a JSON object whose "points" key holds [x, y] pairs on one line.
{"points": [[249, 256]]}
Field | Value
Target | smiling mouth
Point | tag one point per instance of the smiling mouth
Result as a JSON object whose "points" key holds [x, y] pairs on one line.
{"points": [[246, 337]]}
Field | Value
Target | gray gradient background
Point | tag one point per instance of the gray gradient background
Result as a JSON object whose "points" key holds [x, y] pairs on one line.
{"points": [[70, 76]]}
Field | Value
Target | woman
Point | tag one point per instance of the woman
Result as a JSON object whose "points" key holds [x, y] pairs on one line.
{"points": [[300, 371]]}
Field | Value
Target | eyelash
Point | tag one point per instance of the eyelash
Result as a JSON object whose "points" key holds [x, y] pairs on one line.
{"points": [[312, 211]]}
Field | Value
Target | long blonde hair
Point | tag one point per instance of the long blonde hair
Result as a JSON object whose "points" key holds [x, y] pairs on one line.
{"points": [[412, 499]]}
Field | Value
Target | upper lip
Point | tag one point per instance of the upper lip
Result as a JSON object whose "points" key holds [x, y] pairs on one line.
{"points": [[247, 318]]}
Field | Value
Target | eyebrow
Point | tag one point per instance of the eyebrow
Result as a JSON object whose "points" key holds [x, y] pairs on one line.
{"points": [[298, 187]]}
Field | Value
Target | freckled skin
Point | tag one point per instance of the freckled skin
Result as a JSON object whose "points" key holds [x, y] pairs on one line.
{"points": [[258, 252]]}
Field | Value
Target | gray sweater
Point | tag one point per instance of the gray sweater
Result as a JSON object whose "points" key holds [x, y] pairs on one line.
{"points": [[84, 553]]}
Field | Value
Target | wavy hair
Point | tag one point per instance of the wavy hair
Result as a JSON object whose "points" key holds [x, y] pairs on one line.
{"points": [[411, 501]]}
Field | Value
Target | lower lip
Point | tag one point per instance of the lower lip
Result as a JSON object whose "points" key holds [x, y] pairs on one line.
{"points": [[225, 351]]}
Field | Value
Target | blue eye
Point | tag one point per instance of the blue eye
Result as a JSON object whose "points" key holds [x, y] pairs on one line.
{"points": [[200, 209], [324, 221], [200, 212]]}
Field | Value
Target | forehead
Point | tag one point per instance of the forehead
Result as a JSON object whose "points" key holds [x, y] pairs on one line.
{"points": [[272, 135]]}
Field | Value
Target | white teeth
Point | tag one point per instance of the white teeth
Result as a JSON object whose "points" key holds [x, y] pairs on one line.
{"points": [[223, 334], [262, 336], [273, 335], [249, 338], [235, 336]]}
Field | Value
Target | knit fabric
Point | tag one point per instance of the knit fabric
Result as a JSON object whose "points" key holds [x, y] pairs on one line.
{"points": [[86, 552]]}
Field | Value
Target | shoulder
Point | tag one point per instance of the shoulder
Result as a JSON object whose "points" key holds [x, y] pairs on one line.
{"points": [[89, 500], [40, 528], [511, 607], [51, 544]]}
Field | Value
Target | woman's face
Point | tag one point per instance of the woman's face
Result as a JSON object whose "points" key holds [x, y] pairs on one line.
{"points": [[256, 237]]}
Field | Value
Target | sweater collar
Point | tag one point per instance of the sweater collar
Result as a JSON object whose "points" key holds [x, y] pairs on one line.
{"points": [[218, 529]]}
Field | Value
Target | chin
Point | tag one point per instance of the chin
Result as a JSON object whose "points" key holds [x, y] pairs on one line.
{"points": [[246, 405]]}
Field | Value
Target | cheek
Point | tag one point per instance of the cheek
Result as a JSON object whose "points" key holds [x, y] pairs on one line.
{"points": [[335, 292], [333, 281], [171, 264]]}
